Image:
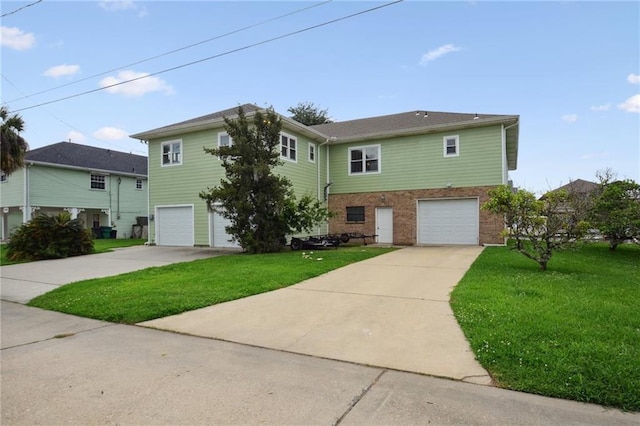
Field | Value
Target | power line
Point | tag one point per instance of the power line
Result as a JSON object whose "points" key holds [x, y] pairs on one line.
{"points": [[171, 51], [214, 56], [20, 8], [110, 144]]}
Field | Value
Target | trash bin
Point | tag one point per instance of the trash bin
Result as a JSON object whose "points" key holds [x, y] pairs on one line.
{"points": [[114, 233], [106, 231]]}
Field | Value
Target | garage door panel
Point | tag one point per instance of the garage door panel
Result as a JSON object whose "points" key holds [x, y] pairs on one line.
{"points": [[452, 221], [174, 226], [219, 236]]}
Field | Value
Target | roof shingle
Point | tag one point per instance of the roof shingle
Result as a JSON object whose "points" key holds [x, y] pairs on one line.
{"points": [[89, 157]]}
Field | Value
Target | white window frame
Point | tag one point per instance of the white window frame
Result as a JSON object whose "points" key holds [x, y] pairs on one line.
{"points": [[97, 181], [313, 152], [173, 161], [364, 171], [139, 185], [445, 145], [287, 155], [220, 136]]}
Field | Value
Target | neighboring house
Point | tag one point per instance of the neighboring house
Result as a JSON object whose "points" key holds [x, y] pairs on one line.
{"points": [[102, 187], [411, 178]]}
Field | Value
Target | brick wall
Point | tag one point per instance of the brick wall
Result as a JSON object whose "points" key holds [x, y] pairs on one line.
{"points": [[405, 208]]}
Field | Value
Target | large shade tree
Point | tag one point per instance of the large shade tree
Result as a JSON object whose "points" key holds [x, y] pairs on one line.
{"points": [[309, 114], [12, 146], [260, 204]]}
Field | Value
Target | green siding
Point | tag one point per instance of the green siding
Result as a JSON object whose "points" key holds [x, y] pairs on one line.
{"points": [[418, 162], [182, 184], [53, 188], [12, 191]]}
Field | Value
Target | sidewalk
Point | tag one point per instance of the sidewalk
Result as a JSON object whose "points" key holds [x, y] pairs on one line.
{"points": [[390, 311]]}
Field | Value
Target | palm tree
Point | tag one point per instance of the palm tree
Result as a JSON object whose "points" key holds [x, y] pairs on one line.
{"points": [[12, 145]]}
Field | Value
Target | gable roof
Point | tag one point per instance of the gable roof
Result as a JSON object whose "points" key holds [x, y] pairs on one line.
{"points": [[88, 157]]}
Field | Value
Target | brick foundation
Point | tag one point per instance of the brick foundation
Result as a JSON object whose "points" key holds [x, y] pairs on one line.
{"points": [[405, 209]]}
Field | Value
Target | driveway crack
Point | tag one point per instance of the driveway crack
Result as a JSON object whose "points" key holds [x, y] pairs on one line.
{"points": [[358, 398]]}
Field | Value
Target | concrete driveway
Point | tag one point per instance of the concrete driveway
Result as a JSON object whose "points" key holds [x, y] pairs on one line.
{"points": [[390, 311], [24, 281]]}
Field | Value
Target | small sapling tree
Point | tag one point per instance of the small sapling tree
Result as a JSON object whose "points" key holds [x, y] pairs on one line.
{"points": [[538, 227]]}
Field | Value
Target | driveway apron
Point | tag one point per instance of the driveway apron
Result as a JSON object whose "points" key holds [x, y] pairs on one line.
{"points": [[390, 311]]}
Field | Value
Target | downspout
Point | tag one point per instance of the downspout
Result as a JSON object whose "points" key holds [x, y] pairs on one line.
{"points": [[118, 199], [319, 155], [26, 202]]}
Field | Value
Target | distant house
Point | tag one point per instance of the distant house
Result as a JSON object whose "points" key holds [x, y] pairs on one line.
{"points": [[578, 186], [102, 187], [417, 177]]}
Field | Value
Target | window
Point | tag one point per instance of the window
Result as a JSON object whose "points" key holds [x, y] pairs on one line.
{"points": [[355, 214], [224, 140], [98, 182], [139, 184], [288, 147], [312, 152], [451, 146], [172, 153], [3, 177], [364, 159]]}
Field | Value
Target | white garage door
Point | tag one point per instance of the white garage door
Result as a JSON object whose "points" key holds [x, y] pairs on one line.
{"points": [[448, 221], [219, 236], [174, 226]]}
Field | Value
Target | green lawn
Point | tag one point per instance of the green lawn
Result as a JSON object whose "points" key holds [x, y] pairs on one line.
{"points": [[162, 291], [571, 332], [99, 246]]}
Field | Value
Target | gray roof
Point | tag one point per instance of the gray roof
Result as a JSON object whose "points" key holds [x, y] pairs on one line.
{"points": [[404, 122], [89, 157], [216, 116], [578, 186]]}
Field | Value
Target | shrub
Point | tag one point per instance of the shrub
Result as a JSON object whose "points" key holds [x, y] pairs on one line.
{"points": [[50, 237]]}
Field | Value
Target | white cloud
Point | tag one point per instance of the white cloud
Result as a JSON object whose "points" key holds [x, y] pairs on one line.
{"points": [[603, 107], [140, 86], [110, 134], [570, 118], [117, 5], [633, 78], [62, 70], [15, 38], [434, 54], [75, 137], [631, 105], [122, 5]]}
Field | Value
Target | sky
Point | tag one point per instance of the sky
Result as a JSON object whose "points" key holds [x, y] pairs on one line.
{"points": [[569, 69]]}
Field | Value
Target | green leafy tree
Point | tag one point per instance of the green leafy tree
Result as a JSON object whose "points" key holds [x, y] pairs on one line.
{"points": [[537, 228], [259, 204], [50, 237], [12, 145], [309, 114], [616, 210]]}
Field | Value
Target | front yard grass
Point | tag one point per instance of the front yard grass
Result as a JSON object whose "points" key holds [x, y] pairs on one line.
{"points": [[99, 246], [168, 290], [571, 332]]}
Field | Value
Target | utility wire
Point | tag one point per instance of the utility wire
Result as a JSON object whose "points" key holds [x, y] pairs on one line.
{"points": [[19, 9], [214, 56], [100, 141], [172, 51]]}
